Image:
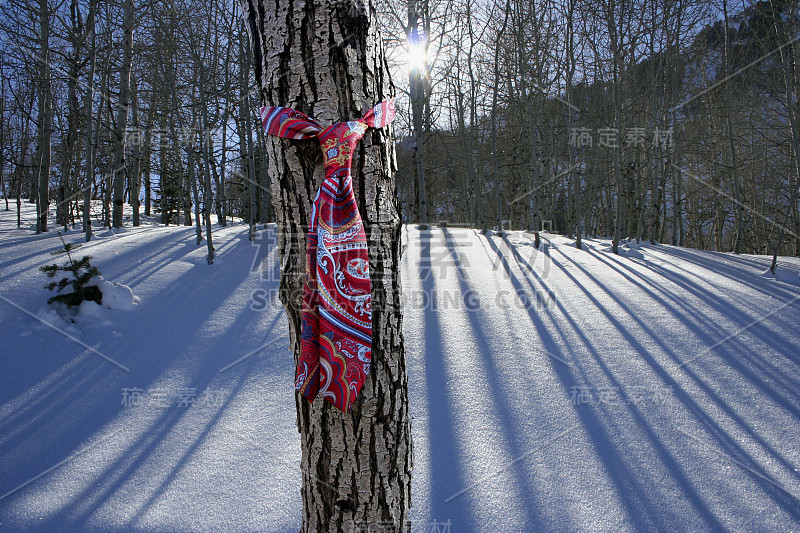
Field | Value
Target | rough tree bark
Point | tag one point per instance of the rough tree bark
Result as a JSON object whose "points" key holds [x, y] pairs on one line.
{"points": [[326, 59]]}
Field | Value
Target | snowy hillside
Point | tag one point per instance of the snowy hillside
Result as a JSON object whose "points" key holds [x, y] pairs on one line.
{"points": [[556, 390]]}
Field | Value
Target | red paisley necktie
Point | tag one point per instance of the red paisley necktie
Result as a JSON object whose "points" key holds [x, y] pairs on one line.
{"points": [[336, 335]]}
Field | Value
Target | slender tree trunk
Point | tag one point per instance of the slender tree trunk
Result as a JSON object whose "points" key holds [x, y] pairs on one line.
{"points": [[19, 198], [738, 208], [219, 178], [68, 168], [471, 151], [122, 112], [574, 174], [719, 212], [192, 176], [3, 129], [789, 65], [164, 177], [43, 158], [417, 78], [105, 111], [264, 192], [136, 170], [207, 147], [246, 139], [615, 48], [655, 196], [677, 189], [790, 85], [89, 105], [498, 194], [326, 59], [147, 165], [145, 155]]}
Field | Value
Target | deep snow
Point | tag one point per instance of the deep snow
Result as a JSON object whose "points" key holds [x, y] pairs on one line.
{"points": [[555, 390]]}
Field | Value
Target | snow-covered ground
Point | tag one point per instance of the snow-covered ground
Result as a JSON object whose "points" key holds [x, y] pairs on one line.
{"points": [[555, 390]]}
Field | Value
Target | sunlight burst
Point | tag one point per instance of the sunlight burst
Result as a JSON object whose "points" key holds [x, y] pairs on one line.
{"points": [[417, 57]]}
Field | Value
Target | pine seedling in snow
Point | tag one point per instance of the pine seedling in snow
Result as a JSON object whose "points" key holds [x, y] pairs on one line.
{"points": [[79, 274]]}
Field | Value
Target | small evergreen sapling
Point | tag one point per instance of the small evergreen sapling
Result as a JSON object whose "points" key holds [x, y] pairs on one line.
{"points": [[81, 272]]}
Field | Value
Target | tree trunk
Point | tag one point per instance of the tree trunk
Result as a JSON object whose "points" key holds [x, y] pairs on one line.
{"points": [[190, 160], [264, 193], [617, 87], [417, 78], [207, 146], [122, 113], [67, 186], [136, 170], [738, 208], [574, 176], [45, 121], [246, 139], [677, 192], [471, 150], [498, 197], [147, 167], [3, 137], [790, 85], [326, 59], [219, 179]]}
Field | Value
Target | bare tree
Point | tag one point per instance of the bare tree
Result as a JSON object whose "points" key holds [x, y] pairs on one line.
{"points": [[90, 136], [45, 119]]}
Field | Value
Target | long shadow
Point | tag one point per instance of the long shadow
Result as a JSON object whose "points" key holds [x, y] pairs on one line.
{"points": [[447, 472], [735, 268], [644, 510], [46, 409], [42, 371], [755, 283], [497, 399], [85, 249], [664, 296], [149, 443], [709, 390], [98, 407], [141, 265], [711, 261], [770, 373], [728, 443]]}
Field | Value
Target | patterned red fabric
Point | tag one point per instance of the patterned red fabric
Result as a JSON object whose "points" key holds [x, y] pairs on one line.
{"points": [[336, 336]]}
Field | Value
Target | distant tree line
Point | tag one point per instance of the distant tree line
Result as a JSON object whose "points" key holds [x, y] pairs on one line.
{"points": [[672, 121]]}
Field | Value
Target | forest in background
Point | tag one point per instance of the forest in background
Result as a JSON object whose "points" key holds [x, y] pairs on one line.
{"points": [[664, 120]]}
